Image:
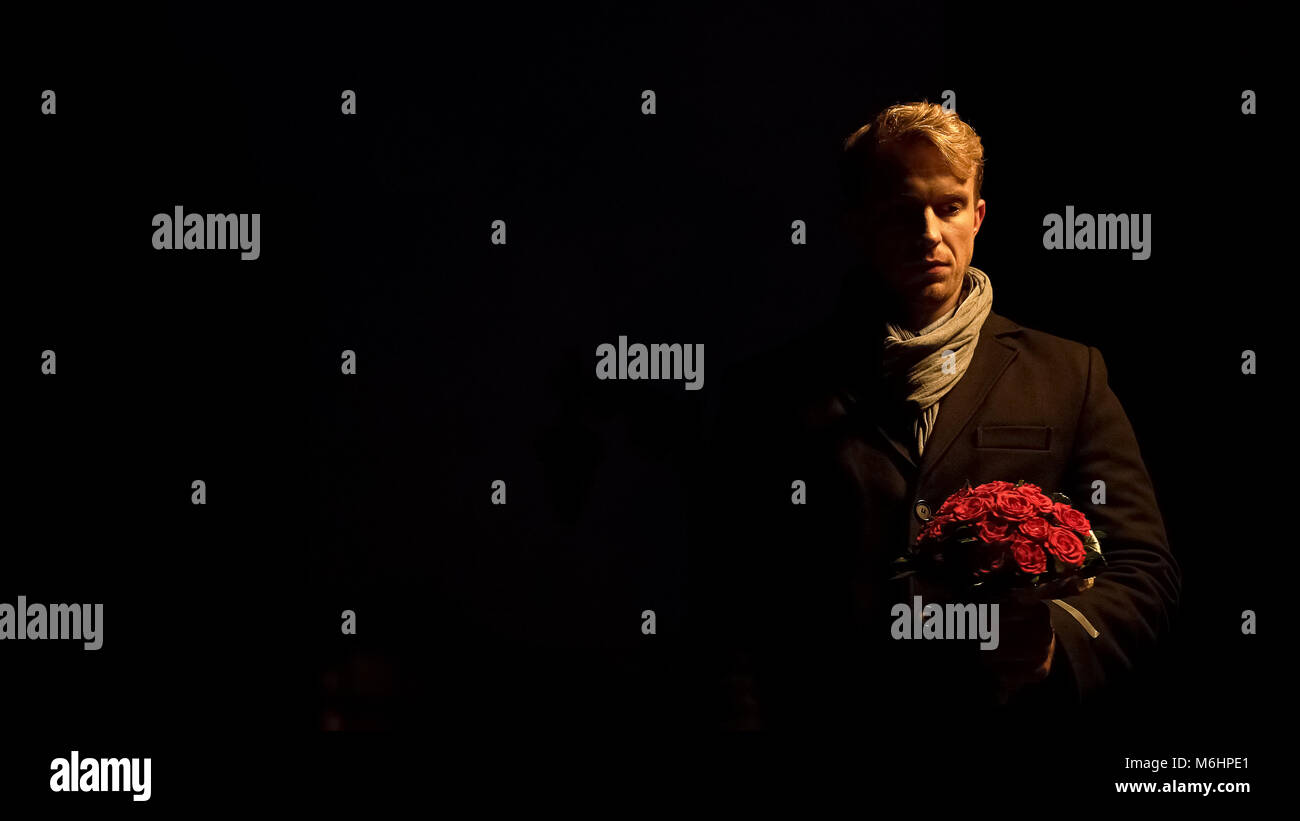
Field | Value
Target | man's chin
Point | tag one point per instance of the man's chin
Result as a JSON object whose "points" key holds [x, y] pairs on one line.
{"points": [[923, 288], [934, 291], [927, 298]]}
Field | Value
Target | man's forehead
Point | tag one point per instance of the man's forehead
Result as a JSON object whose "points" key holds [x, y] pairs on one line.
{"points": [[918, 167]]}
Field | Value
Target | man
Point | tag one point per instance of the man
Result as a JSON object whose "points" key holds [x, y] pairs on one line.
{"points": [[913, 388]]}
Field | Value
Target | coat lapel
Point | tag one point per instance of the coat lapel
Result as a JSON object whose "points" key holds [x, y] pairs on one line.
{"points": [[993, 354], [856, 340]]}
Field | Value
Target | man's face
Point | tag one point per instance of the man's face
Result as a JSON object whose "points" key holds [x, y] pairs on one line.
{"points": [[920, 229]]}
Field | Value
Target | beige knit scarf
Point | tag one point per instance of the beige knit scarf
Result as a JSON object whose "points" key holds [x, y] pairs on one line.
{"points": [[912, 364]]}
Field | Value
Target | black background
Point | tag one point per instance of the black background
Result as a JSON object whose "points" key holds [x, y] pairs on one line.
{"points": [[476, 362]]}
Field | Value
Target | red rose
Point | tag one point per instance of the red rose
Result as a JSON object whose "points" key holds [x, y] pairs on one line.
{"points": [[1035, 494], [1028, 555], [1072, 519], [994, 531], [933, 529], [994, 487], [970, 507], [1041, 503], [1064, 545], [951, 501], [1012, 505], [1036, 528], [982, 490]]}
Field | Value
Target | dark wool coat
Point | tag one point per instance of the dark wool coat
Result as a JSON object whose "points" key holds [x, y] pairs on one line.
{"points": [[793, 601]]}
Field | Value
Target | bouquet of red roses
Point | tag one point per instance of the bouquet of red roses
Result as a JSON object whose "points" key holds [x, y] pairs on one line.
{"points": [[1007, 536]]}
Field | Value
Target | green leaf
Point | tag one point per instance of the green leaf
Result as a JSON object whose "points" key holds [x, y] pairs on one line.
{"points": [[1019, 483]]}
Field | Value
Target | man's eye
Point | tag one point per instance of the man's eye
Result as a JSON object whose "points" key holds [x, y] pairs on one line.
{"points": [[954, 208]]}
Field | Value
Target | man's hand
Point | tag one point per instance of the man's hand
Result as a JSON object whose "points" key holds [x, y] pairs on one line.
{"points": [[1026, 648]]}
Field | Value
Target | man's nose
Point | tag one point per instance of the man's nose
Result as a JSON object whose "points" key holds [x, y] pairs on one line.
{"points": [[927, 224]]}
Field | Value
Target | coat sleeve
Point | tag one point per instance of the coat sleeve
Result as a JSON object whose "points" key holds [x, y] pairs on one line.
{"points": [[1133, 601]]}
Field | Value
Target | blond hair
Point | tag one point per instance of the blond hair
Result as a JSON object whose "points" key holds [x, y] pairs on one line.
{"points": [[962, 150]]}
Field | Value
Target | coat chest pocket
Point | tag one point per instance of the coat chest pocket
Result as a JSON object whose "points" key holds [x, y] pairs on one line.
{"points": [[1013, 437]]}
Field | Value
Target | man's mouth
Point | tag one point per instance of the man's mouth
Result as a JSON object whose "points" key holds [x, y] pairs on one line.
{"points": [[927, 265]]}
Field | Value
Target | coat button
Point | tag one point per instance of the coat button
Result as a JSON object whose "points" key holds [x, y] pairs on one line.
{"points": [[923, 510]]}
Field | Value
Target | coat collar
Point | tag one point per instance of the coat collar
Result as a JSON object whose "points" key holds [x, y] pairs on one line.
{"points": [[858, 375]]}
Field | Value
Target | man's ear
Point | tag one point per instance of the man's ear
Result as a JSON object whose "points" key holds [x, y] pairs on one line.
{"points": [[979, 215]]}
